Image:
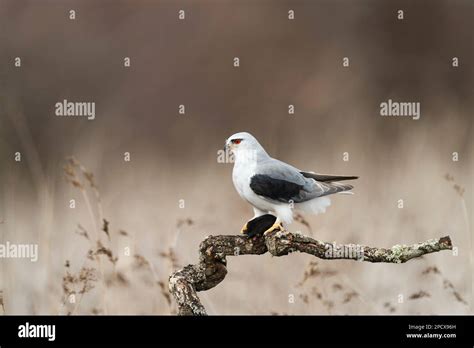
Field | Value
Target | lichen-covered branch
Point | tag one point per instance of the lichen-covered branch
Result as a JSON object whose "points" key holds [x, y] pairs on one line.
{"points": [[211, 269]]}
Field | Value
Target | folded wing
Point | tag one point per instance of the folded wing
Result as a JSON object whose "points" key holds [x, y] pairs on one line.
{"points": [[278, 181]]}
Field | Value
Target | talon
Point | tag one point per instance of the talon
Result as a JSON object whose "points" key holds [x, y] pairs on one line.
{"points": [[274, 227], [244, 229]]}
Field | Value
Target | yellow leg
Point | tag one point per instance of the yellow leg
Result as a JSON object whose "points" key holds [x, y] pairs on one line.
{"points": [[244, 229]]}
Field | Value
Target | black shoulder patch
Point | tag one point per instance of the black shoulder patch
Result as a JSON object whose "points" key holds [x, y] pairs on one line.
{"points": [[276, 189]]}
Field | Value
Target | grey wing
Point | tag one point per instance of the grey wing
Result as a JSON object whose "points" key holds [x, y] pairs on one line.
{"points": [[278, 181]]}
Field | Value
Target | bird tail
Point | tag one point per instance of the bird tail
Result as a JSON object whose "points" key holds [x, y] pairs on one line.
{"points": [[334, 187]]}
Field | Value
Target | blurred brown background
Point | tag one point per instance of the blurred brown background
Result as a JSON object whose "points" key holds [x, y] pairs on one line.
{"points": [[174, 156]]}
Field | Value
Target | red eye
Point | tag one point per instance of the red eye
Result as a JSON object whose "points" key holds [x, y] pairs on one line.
{"points": [[236, 141]]}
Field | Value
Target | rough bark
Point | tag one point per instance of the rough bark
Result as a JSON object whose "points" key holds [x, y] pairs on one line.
{"points": [[211, 269]]}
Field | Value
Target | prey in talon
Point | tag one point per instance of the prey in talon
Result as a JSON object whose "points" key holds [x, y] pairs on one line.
{"points": [[259, 225]]}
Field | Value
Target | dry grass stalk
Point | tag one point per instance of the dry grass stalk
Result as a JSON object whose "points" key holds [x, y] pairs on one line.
{"points": [[448, 285], [418, 295], [314, 271], [2, 302], [80, 283], [300, 218]]}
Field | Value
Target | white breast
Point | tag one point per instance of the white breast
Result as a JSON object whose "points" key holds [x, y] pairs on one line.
{"points": [[241, 175]]}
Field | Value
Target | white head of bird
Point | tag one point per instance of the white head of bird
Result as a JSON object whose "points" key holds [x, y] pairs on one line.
{"points": [[245, 148]]}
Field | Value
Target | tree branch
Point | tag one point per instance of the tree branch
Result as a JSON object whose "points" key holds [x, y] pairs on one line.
{"points": [[211, 269]]}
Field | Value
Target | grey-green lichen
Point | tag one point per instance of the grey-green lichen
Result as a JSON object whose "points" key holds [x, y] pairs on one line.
{"points": [[398, 253]]}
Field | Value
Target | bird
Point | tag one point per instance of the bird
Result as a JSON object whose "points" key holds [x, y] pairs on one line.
{"points": [[275, 187]]}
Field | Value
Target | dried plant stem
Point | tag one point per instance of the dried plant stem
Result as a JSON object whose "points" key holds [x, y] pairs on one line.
{"points": [[91, 213], [471, 255], [362, 298], [211, 269], [99, 261], [44, 195], [70, 171], [78, 302]]}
